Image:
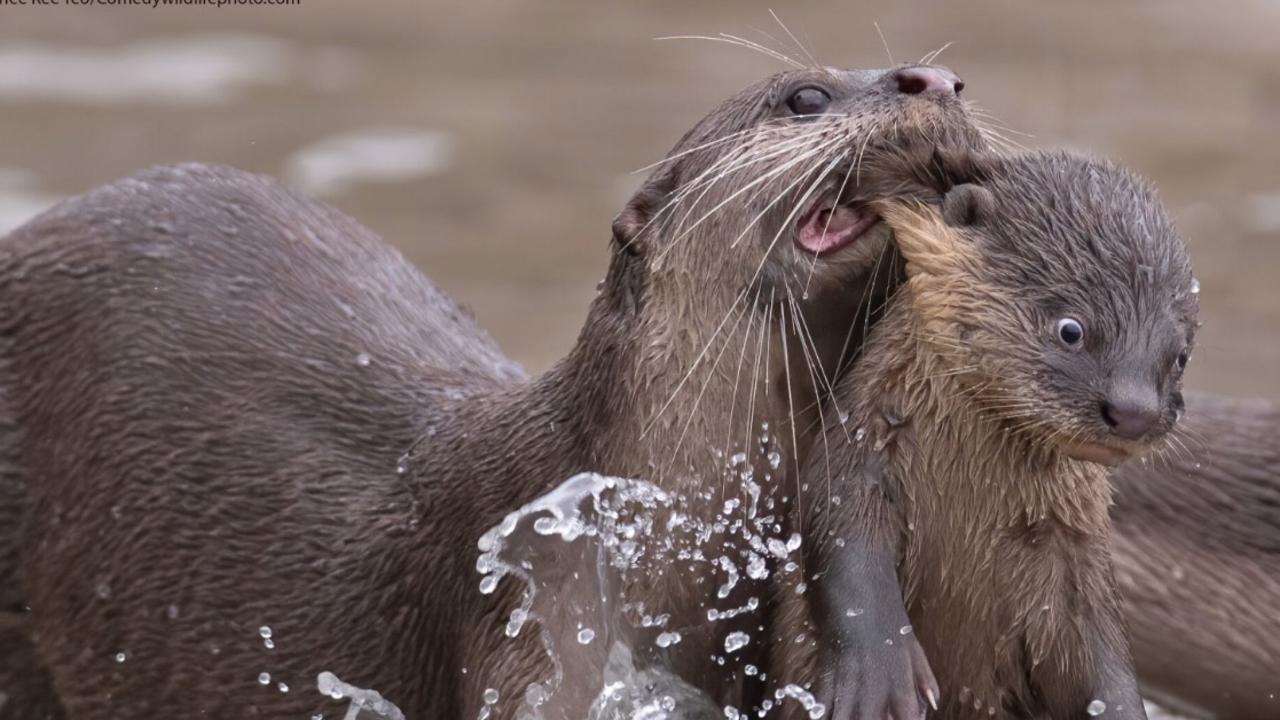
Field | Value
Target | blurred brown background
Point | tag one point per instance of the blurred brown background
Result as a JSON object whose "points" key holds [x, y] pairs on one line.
{"points": [[494, 140]]}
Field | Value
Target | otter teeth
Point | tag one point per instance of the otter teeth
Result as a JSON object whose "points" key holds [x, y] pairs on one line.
{"points": [[840, 217]]}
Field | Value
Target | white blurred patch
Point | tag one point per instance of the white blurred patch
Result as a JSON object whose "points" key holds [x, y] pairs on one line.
{"points": [[203, 69], [19, 202], [1262, 212], [334, 164]]}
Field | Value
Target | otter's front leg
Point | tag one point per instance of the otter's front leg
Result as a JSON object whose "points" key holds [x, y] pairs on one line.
{"points": [[1105, 684], [870, 665]]}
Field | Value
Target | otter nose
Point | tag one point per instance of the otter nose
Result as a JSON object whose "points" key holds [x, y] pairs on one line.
{"points": [[1131, 415], [925, 79]]}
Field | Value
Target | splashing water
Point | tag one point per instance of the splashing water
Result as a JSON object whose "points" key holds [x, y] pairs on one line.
{"points": [[365, 704], [806, 699], [578, 550]]}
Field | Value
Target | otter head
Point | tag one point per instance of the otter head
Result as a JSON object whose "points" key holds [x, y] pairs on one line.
{"points": [[1058, 288], [753, 238]]}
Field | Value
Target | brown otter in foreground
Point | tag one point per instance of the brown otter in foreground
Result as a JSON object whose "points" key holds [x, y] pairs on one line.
{"points": [[961, 529], [208, 384], [1197, 553]]}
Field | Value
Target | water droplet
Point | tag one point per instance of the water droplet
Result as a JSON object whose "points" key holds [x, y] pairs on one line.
{"points": [[264, 678], [490, 696], [777, 548], [586, 635], [904, 630], [120, 657], [488, 584], [264, 631], [751, 670], [859, 435], [853, 612], [516, 621], [735, 641], [363, 359], [1096, 708], [775, 459], [269, 644], [1195, 290], [104, 591], [282, 688], [667, 639]]}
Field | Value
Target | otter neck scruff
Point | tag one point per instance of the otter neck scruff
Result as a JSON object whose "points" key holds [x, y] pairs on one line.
{"points": [[233, 407]]}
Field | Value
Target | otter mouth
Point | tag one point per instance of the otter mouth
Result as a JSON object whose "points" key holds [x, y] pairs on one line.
{"points": [[1096, 452], [832, 224]]}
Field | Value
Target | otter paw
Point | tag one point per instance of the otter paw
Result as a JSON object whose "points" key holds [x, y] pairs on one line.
{"points": [[883, 682]]}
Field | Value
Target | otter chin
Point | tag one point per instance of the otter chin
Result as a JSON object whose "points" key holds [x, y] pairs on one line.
{"points": [[1097, 452]]}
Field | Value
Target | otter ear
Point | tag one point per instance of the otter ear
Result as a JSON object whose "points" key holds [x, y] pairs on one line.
{"points": [[967, 204], [633, 227]]}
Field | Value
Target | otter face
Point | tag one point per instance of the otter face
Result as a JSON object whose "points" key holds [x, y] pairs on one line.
{"points": [[751, 247], [772, 178], [1084, 307]]}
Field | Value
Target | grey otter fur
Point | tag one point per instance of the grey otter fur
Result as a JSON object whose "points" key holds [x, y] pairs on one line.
{"points": [[1197, 552], [959, 535], [207, 384]]}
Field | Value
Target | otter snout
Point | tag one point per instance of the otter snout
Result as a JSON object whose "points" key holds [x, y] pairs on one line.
{"points": [[927, 79], [1131, 411]]}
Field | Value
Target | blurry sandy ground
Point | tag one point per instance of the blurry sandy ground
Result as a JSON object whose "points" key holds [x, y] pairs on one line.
{"points": [[494, 141]]}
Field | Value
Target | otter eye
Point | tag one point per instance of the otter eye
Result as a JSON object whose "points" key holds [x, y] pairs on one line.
{"points": [[1182, 359], [809, 101], [1070, 331]]}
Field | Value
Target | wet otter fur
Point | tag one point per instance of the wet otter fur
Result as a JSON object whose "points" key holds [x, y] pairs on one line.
{"points": [[226, 406], [1197, 554], [959, 541]]}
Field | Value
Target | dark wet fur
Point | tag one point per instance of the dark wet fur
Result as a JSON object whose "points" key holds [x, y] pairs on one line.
{"points": [[957, 513]]}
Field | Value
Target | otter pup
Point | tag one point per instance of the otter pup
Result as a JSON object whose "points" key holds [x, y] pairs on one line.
{"points": [[210, 388], [960, 531]]}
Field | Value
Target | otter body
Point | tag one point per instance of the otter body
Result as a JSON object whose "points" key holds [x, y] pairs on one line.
{"points": [[960, 535], [229, 411], [1197, 552]]}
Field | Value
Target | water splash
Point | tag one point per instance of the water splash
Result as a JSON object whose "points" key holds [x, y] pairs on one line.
{"points": [[579, 549], [365, 704]]}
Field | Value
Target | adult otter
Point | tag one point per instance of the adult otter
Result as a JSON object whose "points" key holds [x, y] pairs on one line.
{"points": [[1197, 552], [208, 384], [961, 528]]}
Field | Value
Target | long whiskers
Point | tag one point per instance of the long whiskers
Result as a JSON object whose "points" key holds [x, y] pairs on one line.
{"points": [[803, 50], [740, 42]]}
